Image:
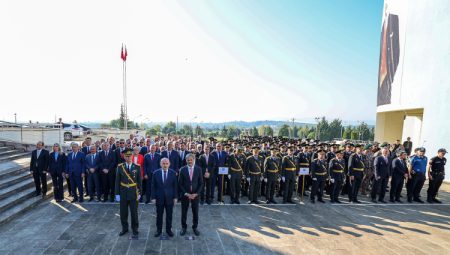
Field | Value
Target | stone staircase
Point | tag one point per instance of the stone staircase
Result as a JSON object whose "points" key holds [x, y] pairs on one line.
{"points": [[17, 190]]}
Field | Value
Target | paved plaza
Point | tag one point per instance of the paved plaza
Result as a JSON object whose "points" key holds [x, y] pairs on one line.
{"points": [[92, 228]]}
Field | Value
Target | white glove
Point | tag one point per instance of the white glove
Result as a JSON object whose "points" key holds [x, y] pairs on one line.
{"points": [[139, 197], [265, 179], [314, 179], [279, 179], [229, 176], [248, 179], [261, 178], [283, 179], [332, 180], [118, 198]]}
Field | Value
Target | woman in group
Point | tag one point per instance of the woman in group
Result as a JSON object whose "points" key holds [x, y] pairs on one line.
{"points": [[56, 168]]}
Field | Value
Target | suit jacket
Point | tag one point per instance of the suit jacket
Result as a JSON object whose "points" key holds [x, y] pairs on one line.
{"points": [[39, 164], [150, 165], [381, 168], [164, 191], [220, 161], [119, 156], [75, 165], [184, 181], [144, 150], [57, 166], [399, 168], [107, 162], [174, 159], [87, 150], [183, 155], [210, 166], [92, 162]]}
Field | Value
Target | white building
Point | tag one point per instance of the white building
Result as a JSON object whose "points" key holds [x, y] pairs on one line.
{"points": [[414, 74]]}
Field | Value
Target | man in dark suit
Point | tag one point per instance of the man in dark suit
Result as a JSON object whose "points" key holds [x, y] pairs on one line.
{"points": [[173, 157], [106, 162], [190, 182], [38, 167], [221, 158], [92, 171], [75, 169], [381, 169], [207, 162], [119, 152], [56, 166], [87, 150], [151, 164], [164, 194], [399, 174], [389, 56], [183, 153]]}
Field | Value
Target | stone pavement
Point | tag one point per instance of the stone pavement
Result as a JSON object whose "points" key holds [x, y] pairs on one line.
{"points": [[92, 228]]}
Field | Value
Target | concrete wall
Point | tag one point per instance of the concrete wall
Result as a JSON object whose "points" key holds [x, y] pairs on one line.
{"points": [[32, 135], [422, 79]]}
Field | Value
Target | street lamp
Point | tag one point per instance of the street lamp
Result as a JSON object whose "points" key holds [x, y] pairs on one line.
{"points": [[192, 130]]}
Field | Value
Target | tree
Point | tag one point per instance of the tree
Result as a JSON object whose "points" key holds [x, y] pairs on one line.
{"points": [[169, 128], [335, 129], [198, 130], [295, 131], [347, 132], [265, 131], [284, 130], [186, 130]]}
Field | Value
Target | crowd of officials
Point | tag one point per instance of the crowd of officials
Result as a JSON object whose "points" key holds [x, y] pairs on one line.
{"points": [[254, 167]]}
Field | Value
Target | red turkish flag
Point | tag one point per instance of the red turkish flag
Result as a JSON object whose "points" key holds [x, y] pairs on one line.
{"points": [[125, 54], [122, 54]]}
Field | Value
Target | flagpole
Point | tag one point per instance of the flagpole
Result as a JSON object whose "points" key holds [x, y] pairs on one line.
{"points": [[125, 94]]}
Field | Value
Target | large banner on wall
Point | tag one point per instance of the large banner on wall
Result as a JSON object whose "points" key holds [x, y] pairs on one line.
{"points": [[389, 54]]}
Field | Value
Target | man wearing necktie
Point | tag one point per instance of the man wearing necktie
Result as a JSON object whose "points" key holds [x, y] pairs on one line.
{"points": [[399, 174], [190, 182], [38, 167], [381, 169], [127, 190], [75, 169], [92, 171]]}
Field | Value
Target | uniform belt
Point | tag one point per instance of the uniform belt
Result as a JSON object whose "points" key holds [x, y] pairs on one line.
{"points": [[235, 169], [304, 164], [127, 185], [338, 171], [320, 173], [290, 169], [255, 172], [272, 171], [358, 169]]}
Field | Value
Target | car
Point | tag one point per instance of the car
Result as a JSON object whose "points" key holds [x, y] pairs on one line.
{"points": [[86, 129], [70, 130]]}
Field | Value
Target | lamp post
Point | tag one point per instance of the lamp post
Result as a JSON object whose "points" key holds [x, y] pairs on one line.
{"points": [[192, 129], [317, 128]]}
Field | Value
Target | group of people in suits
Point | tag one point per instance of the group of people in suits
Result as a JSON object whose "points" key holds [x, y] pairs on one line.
{"points": [[185, 170]]}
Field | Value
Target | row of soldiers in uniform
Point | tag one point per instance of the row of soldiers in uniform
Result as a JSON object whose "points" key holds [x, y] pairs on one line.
{"points": [[257, 166]]}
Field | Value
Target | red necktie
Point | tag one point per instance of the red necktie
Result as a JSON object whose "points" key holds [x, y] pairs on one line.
{"points": [[190, 176]]}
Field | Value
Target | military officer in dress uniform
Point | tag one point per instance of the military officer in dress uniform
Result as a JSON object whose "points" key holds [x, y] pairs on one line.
{"points": [[236, 162], [272, 167], [356, 173], [253, 171], [288, 175], [128, 187], [337, 175], [319, 172], [303, 162]]}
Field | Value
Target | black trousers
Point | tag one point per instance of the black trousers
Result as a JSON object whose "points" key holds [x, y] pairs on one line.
{"points": [[317, 188], [289, 185], [417, 181], [86, 186], [205, 193], [354, 188], [40, 181], [336, 188], [434, 185], [107, 184], [69, 187], [133, 205], [160, 208], [379, 187], [270, 187], [254, 186], [184, 209], [235, 187], [58, 191], [396, 187]]}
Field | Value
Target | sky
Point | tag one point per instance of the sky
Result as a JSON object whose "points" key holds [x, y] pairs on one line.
{"points": [[205, 61]]}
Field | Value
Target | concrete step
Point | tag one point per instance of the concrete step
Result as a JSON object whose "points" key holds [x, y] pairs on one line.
{"points": [[5, 148], [15, 156], [9, 152], [9, 191], [18, 170], [21, 203], [20, 197], [14, 179]]}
